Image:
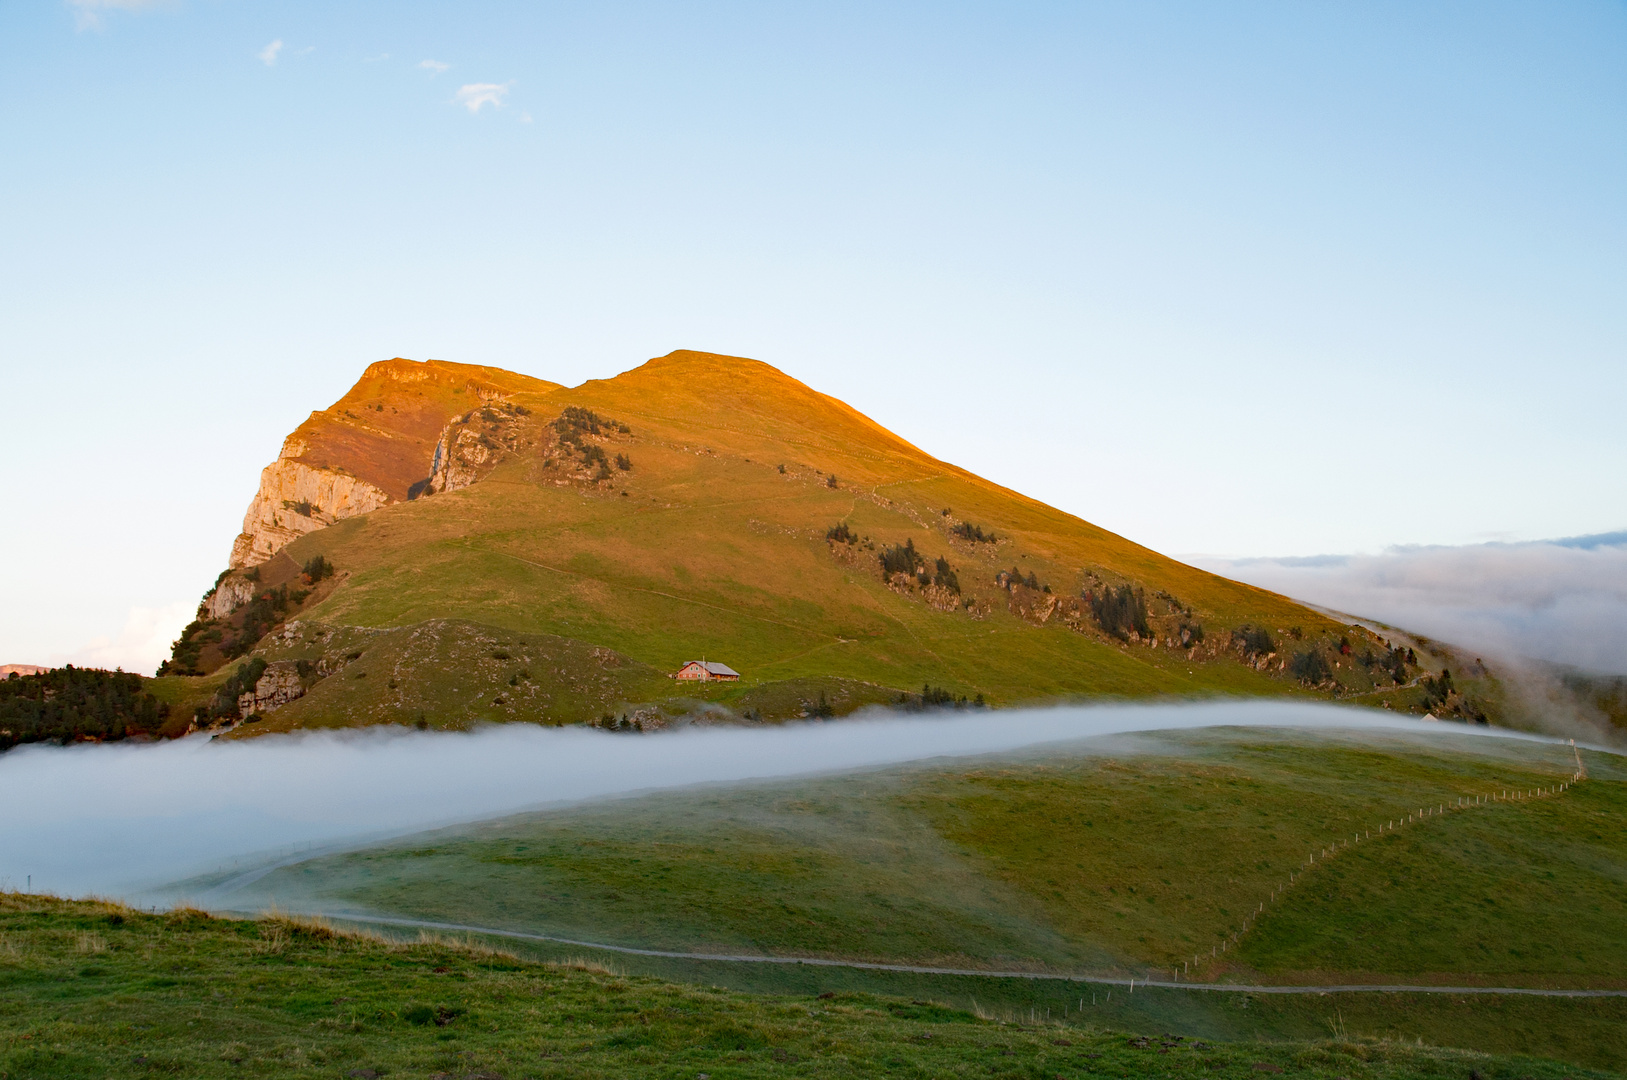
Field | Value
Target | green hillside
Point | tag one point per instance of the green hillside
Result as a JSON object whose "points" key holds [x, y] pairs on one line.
{"points": [[99, 990], [710, 506]]}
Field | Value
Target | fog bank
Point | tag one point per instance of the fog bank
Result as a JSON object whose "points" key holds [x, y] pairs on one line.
{"points": [[117, 819], [1562, 601]]}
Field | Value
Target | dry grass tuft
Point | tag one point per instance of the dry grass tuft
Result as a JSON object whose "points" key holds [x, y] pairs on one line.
{"points": [[582, 963], [468, 944], [90, 942]]}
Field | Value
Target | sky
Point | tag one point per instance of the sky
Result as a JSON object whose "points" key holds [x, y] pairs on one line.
{"points": [[1240, 280]]}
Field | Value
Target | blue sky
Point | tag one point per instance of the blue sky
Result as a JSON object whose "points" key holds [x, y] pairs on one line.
{"points": [[1248, 279]]}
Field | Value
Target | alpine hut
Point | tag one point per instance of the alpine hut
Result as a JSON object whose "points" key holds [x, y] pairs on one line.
{"points": [[706, 671]]}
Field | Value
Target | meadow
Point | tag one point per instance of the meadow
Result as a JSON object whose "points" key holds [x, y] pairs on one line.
{"points": [[96, 989], [1130, 857]]}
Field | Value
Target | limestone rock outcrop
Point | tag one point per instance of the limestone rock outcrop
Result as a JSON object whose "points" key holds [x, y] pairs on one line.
{"points": [[471, 445], [277, 686], [232, 593], [294, 499]]}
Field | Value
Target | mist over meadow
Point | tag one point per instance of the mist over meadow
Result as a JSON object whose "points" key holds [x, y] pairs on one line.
{"points": [[121, 819], [1561, 601]]}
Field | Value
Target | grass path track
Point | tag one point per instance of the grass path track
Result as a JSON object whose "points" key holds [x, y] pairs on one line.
{"points": [[913, 969]]}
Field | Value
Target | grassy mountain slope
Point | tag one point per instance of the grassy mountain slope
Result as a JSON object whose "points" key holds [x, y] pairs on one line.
{"points": [[690, 514], [91, 989]]}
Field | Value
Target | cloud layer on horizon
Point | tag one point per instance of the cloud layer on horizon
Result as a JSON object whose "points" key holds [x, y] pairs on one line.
{"points": [[1563, 601]]}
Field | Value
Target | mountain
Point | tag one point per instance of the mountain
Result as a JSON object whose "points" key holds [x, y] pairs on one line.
{"points": [[450, 544]]}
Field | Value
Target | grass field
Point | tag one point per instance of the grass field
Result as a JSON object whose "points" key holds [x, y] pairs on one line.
{"points": [[89, 989], [1120, 858]]}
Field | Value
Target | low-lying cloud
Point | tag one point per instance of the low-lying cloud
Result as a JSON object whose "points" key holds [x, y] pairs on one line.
{"points": [[1562, 601], [119, 819]]}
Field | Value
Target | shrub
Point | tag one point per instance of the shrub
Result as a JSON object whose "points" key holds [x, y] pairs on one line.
{"points": [[575, 422], [839, 533], [624, 463], [260, 615], [1310, 667], [830, 481], [317, 568], [1007, 578], [1436, 691], [967, 531], [1119, 611], [944, 576], [1254, 640], [901, 559]]}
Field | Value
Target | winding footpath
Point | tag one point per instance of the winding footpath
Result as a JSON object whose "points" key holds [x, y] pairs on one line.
{"points": [[915, 969]]}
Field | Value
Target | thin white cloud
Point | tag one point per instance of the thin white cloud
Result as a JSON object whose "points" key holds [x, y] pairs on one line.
{"points": [[434, 67], [89, 14], [268, 55], [474, 95]]}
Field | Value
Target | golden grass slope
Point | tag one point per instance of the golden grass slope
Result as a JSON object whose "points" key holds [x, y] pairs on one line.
{"points": [[714, 545]]}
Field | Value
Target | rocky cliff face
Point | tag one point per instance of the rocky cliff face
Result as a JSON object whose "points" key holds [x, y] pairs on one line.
{"points": [[382, 443], [229, 594], [294, 499], [471, 445], [279, 685]]}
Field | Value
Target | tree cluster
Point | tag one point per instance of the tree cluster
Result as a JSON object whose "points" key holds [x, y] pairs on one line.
{"points": [[901, 559], [1255, 640], [1120, 610], [1310, 667], [967, 531], [1436, 691], [936, 697], [1393, 661], [1007, 578], [839, 533], [69, 703], [622, 724], [317, 568], [573, 427]]}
